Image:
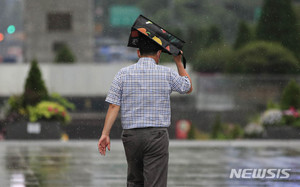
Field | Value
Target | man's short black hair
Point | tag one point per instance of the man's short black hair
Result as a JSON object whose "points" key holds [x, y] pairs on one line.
{"points": [[148, 46]]}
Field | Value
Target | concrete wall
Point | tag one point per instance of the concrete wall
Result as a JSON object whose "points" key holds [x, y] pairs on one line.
{"points": [[79, 80], [219, 92], [39, 40], [68, 80]]}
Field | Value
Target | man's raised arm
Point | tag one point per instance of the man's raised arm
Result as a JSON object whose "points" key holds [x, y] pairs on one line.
{"points": [[181, 70]]}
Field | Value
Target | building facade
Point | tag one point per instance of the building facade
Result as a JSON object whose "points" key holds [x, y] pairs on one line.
{"points": [[49, 25]]}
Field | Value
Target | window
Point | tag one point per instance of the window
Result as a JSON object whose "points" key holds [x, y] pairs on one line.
{"points": [[59, 21]]}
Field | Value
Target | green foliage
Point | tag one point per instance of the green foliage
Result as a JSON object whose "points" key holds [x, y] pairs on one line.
{"points": [[225, 131], [64, 55], [289, 120], [35, 103], [195, 42], [14, 110], [217, 127], [297, 11], [263, 58], [285, 113], [55, 109], [213, 59], [272, 105], [196, 134], [244, 35], [234, 131], [291, 117], [15, 103], [48, 111], [278, 23], [290, 96], [297, 123], [192, 133], [214, 36], [55, 97], [35, 89]]}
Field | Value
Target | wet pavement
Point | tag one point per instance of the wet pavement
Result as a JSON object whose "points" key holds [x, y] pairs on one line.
{"points": [[192, 163]]}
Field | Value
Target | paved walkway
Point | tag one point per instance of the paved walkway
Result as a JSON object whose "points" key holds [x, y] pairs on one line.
{"points": [[192, 163]]}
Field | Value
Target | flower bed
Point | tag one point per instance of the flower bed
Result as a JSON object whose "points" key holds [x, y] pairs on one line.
{"points": [[35, 114]]}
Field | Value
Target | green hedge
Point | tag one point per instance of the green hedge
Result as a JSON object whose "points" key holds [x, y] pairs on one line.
{"points": [[262, 57], [213, 59]]}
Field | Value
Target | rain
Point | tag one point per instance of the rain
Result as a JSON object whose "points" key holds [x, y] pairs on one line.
{"points": [[60, 61]]}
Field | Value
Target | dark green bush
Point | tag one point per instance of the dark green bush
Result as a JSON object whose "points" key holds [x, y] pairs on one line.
{"points": [[244, 35], [290, 96], [213, 59], [192, 133], [225, 131], [217, 127], [64, 55], [35, 88], [214, 36], [262, 57], [55, 97]]}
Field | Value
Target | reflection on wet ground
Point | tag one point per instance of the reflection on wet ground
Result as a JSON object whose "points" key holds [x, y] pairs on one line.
{"points": [[205, 163]]}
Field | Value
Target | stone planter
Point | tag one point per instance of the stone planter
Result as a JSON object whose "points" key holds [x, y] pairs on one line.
{"points": [[281, 132], [34, 130]]}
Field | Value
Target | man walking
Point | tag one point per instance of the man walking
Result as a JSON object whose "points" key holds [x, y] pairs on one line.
{"points": [[142, 91]]}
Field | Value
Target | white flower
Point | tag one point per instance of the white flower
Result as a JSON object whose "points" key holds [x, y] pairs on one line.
{"points": [[271, 117], [253, 128]]}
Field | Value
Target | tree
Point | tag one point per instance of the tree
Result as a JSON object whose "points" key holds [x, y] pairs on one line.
{"points": [[244, 35], [278, 23], [214, 36], [35, 89], [290, 96], [64, 55], [195, 41], [297, 11]]}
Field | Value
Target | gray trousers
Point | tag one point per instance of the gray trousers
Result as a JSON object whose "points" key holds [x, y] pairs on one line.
{"points": [[147, 154]]}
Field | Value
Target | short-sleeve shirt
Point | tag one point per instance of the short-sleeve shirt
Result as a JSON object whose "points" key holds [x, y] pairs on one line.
{"points": [[143, 90]]}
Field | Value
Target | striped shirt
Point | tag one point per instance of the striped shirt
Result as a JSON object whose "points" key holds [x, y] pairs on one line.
{"points": [[143, 92]]}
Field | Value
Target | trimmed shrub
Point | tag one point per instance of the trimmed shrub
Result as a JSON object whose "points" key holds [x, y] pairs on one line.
{"points": [[290, 96], [64, 55], [263, 58], [35, 89], [213, 59]]}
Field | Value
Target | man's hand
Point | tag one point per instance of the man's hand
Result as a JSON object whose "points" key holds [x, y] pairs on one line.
{"points": [[177, 58], [104, 142], [110, 118]]}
